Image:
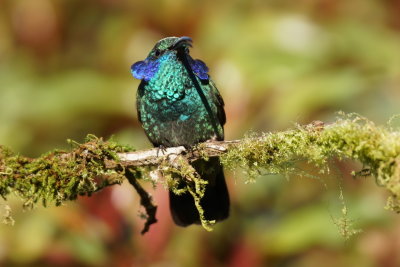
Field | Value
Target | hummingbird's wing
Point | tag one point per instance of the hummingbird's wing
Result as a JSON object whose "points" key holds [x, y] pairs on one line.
{"points": [[139, 96], [219, 103]]}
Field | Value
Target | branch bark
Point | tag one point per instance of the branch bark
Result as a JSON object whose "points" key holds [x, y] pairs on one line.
{"points": [[154, 156]]}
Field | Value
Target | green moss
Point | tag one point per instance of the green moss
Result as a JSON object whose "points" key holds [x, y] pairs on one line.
{"points": [[351, 136], [182, 171], [59, 176], [344, 224]]}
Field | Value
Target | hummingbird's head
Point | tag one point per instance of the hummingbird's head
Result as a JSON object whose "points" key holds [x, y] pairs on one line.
{"points": [[165, 50], [170, 44]]}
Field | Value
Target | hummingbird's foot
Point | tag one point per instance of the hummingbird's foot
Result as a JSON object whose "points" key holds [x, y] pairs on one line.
{"points": [[162, 149]]}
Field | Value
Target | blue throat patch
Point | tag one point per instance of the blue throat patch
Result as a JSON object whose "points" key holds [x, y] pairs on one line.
{"points": [[145, 70]]}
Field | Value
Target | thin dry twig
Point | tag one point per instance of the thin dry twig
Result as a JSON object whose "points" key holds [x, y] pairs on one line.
{"points": [[145, 201]]}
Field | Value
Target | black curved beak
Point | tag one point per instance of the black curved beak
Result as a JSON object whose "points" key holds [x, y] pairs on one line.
{"points": [[182, 42]]}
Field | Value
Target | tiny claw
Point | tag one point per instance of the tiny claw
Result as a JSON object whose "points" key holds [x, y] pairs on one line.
{"points": [[212, 139], [163, 150]]}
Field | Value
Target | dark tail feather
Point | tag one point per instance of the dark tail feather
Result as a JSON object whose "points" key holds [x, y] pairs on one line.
{"points": [[215, 201]]}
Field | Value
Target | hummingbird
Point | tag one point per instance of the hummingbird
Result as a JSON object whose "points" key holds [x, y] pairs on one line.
{"points": [[179, 105]]}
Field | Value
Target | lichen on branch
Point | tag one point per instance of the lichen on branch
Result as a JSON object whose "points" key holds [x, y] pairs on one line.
{"points": [[349, 137], [59, 176]]}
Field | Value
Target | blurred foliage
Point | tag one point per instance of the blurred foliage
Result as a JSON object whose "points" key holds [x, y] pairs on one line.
{"points": [[64, 73]]}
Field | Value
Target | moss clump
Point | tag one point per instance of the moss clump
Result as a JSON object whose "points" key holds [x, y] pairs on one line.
{"points": [[183, 173], [59, 175], [344, 224], [351, 136]]}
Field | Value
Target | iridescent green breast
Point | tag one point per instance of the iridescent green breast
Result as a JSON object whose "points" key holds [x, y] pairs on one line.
{"points": [[169, 82]]}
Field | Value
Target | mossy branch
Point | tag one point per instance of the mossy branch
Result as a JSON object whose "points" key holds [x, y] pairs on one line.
{"points": [[59, 176]]}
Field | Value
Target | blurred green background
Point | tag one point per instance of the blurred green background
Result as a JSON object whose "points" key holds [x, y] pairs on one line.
{"points": [[65, 72]]}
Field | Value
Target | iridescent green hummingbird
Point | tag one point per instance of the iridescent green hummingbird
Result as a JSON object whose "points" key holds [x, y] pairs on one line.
{"points": [[179, 105]]}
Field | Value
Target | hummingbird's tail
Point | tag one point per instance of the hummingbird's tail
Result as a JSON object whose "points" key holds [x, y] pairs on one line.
{"points": [[215, 201]]}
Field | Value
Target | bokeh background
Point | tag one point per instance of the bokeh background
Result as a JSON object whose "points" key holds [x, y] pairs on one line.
{"points": [[65, 72]]}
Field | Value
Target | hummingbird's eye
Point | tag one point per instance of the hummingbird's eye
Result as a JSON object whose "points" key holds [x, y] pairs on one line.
{"points": [[157, 53]]}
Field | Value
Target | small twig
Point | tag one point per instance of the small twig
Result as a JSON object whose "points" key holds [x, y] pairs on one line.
{"points": [[145, 201]]}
